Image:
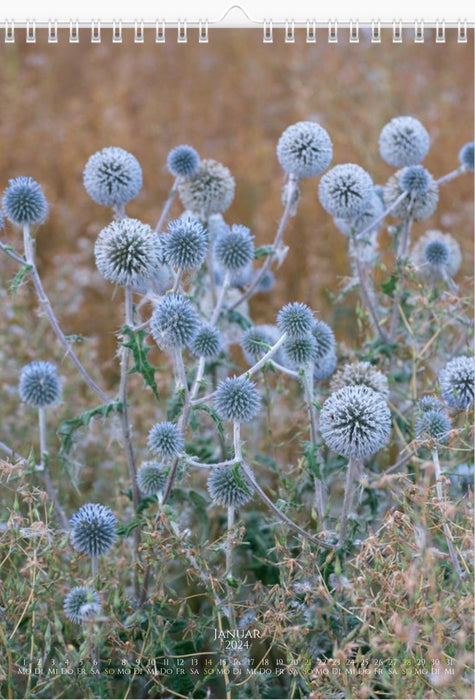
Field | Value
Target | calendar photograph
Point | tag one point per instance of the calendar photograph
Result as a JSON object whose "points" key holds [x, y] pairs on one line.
{"points": [[236, 361]]}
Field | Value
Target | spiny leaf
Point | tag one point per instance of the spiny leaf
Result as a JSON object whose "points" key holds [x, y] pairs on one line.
{"points": [[263, 252], [18, 279], [214, 416], [389, 286], [67, 428], [311, 462], [236, 317], [136, 343]]}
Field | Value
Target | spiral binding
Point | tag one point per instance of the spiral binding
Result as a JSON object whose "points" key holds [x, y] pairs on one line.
{"points": [[336, 31]]}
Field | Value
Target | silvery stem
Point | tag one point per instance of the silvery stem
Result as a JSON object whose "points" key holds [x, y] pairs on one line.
{"points": [[43, 445], [353, 468], [313, 417], [229, 542], [166, 207]]}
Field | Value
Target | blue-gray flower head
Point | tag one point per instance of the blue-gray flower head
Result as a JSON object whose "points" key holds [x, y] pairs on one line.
{"points": [[324, 337], [228, 486], [183, 161], [112, 177], [2, 223], [93, 529], [151, 478], [434, 425], [174, 322], [355, 422], [415, 179], [466, 156], [207, 342], [403, 141], [237, 399], [39, 384], [166, 439], [186, 244], [295, 319], [127, 252], [304, 149], [324, 366], [24, 203], [81, 604], [461, 480], [256, 342], [300, 351], [457, 382], [367, 220], [361, 374], [436, 255], [414, 205], [234, 248], [266, 283], [209, 191], [344, 190], [431, 403]]}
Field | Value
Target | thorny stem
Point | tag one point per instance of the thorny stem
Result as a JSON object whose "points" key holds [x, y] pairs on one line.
{"points": [[313, 417], [365, 291], [290, 205], [167, 207], [354, 466], [43, 445], [447, 533], [45, 303]]}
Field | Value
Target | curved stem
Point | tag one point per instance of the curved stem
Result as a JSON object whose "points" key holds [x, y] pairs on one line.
{"points": [[447, 533], [166, 207], [353, 468]]}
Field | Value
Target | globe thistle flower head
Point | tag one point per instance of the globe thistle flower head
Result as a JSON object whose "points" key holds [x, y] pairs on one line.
{"points": [[403, 141], [300, 351], [295, 319], [39, 384], [324, 366], [151, 478], [466, 156], [436, 255], [127, 253], [186, 244], [256, 342], [431, 403], [418, 206], [183, 161], [174, 322], [325, 339], [433, 425], [93, 529], [457, 382], [24, 203], [304, 149], [266, 283], [209, 191], [242, 276], [355, 422], [228, 486], [344, 190], [166, 439], [207, 342], [415, 179], [81, 604], [112, 176], [364, 221], [361, 374], [461, 478], [234, 248], [237, 400]]}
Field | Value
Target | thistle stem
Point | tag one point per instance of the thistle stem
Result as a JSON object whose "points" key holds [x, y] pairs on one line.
{"points": [[94, 567], [313, 418], [353, 468], [229, 541], [167, 207], [401, 255], [367, 293], [450, 176], [382, 216], [43, 444], [447, 533], [43, 467]]}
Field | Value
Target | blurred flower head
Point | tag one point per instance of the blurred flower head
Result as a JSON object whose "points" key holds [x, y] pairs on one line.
{"points": [[403, 141], [112, 177], [39, 384]]}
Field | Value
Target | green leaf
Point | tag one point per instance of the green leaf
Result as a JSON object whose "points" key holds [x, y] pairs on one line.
{"points": [[263, 252], [18, 279], [214, 417], [126, 528], [311, 463], [136, 343], [236, 317], [67, 428], [389, 286]]}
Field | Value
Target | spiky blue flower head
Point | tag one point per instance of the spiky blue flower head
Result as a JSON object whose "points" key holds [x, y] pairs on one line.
{"points": [[436, 255], [344, 190], [93, 529], [295, 319], [355, 422], [418, 206], [466, 156], [324, 366], [127, 252], [234, 248], [185, 246], [368, 220], [183, 161], [300, 351], [457, 382], [174, 322], [325, 338], [166, 439], [207, 342], [151, 478], [39, 384], [403, 141], [304, 149], [433, 425], [81, 604], [24, 203], [237, 399], [256, 341], [112, 176], [209, 191], [361, 374], [415, 179], [228, 486], [431, 403]]}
